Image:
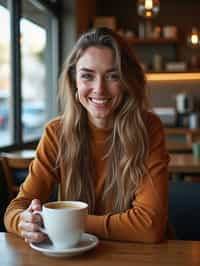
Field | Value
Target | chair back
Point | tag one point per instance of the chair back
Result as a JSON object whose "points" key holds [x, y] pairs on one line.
{"points": [[184, 209], [12, 162]]}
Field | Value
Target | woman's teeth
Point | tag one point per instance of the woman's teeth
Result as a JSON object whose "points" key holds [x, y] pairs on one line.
{"points": [[98, 101]]}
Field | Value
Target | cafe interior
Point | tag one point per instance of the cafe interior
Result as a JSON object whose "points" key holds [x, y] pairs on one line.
{"points": [[35, 38]]}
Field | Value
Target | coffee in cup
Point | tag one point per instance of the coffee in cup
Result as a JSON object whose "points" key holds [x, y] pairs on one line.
{"points": [[64, 222]]}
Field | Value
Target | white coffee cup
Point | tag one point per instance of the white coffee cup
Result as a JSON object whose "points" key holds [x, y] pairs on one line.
{"points": [[64, 222]]}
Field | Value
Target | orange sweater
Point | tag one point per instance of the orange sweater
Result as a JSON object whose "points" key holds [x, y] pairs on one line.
{"points": [[144, 222]]}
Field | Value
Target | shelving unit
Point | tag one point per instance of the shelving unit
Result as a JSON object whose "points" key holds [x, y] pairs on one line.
{"points": [[163, 43], [129, 22], [169, 50], [147, 48], [152, 41]]}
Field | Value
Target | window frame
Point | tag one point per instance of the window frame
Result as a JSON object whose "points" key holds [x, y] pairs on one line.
{"points": [[53, 59]]}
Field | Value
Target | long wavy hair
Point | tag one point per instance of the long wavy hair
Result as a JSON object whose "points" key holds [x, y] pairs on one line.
{"points": [[128, 143]]}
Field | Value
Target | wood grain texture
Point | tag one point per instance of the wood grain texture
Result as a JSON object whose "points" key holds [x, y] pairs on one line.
{"points": [[15, 252]]}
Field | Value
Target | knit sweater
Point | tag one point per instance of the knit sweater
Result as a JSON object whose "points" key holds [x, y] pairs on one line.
{"points": [[144, 221]]}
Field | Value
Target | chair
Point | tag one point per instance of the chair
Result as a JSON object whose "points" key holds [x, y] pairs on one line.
{"points": [[3, 199], [15, 167], [184, 209]]}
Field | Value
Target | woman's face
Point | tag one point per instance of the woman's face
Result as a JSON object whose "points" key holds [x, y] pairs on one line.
{"points": [[99, 88]]}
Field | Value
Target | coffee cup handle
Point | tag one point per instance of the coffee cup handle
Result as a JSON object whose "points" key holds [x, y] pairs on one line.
{"points": [[41, 229]]}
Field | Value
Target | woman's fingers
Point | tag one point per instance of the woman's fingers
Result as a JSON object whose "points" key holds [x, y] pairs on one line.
{"points": [[31, 231], [35, 205], [31, 217], [29, 226], [30, 223], [33, 237]]}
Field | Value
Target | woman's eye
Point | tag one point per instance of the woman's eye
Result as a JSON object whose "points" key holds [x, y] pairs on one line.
{"points": [[112, 76], [86, 76]]}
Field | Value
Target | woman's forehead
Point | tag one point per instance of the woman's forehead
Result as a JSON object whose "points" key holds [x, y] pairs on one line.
{"points": [[95, 56]]}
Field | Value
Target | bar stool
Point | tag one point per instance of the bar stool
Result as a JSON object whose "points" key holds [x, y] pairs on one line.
{"points": [[12, 163]]}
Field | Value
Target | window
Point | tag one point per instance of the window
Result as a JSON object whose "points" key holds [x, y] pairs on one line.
{"points": [[27, 97], [5, 76], [33, 36]]}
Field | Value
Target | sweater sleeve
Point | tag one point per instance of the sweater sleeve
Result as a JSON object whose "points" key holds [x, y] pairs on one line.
{"points": [[146, 220], [40, 181]]}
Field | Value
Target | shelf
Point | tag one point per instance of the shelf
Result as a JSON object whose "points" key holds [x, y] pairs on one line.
{"points": [[154, 41], [168, 49], [197, 71], [173, 76]]}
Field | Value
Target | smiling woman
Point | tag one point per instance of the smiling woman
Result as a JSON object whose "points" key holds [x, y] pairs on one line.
{"points": [[106, 149]]}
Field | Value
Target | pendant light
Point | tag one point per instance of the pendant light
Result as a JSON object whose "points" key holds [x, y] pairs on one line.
{"points": [[148, 8]]}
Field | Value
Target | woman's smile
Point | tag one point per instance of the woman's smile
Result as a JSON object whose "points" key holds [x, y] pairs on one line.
{"points": [[99, 102]]}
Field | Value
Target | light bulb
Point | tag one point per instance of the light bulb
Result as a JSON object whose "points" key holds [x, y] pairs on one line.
{"points": [[148, 8], [194, 38], [148, 4]]}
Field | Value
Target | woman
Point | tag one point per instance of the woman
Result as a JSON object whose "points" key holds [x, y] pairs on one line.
{"points": [[105, 149]]}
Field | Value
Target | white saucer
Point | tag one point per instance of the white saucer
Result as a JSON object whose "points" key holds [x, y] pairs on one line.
{"points": [[87, 242]]}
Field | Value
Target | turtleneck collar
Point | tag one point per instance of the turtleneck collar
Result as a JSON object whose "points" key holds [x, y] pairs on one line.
{"points": [[98, 134]]}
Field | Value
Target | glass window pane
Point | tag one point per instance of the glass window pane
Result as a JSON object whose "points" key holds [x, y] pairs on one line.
{"points": [[5, 76], [33, 30]]}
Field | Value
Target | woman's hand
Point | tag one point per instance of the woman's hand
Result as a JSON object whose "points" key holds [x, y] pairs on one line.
{"points": [[30, 223]]}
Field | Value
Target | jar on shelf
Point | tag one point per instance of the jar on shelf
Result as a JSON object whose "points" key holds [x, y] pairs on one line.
{"points": [[156, 32], [170, 31], [141, 30], [157, 62]]}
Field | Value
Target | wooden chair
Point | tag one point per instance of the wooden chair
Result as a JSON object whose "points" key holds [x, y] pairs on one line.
{"points": [[11, 163]]}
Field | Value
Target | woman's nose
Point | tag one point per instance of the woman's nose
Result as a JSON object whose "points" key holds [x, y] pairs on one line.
{"points": [[100, 85]]}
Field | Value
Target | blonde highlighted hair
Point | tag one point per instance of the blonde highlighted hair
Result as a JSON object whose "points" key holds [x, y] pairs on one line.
{"points": [[128, 143]]}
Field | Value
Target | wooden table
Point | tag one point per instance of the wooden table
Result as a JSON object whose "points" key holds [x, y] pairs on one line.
{"points": [[24, 154], [15, 252], [184, 163]]}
